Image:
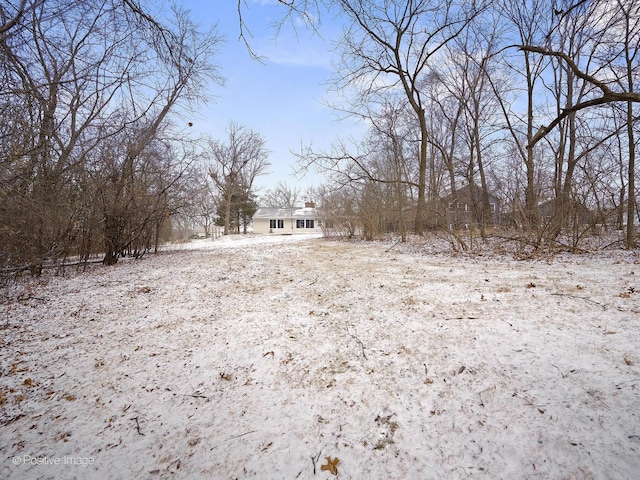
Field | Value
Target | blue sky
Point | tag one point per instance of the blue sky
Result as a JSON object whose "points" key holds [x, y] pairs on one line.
{"points": [[280, 98]]}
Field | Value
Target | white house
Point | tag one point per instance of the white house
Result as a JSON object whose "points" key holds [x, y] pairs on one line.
{"points": [[287, 221]]}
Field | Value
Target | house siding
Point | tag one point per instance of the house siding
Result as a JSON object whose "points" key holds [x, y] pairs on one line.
{"points": [[459, 210], [262, 221]]}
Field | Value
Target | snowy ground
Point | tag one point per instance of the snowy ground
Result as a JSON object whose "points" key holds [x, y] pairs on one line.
{"points": [[259, 357]]}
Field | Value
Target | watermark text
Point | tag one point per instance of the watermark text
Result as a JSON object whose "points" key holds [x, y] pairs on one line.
{"points": [[31, 460]]}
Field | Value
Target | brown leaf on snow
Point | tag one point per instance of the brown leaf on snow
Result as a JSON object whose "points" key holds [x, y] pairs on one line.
{"points": [[627, 361], [332, 465], [16, 369]]}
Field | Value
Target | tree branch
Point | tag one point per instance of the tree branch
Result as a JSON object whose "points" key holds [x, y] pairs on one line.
{"points": [[608, 95]]}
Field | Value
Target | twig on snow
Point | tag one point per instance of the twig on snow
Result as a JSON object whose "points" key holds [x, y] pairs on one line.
{"points": [[233, 437], [359, 341], [136, 418], [241, 435], [388, 249], [195, 395], [314, 460], [563, 375], [586, 299]]}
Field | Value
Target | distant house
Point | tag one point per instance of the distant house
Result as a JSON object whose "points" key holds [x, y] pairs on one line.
{"points": [[287, 221], [576, 212], [461, 209]]}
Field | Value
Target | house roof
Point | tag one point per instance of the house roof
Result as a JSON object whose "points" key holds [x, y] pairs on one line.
{"points": [[277, 212], [465, 192]]}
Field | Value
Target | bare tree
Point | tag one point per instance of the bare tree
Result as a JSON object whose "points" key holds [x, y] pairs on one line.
{"points": [[468, 65], [388, 47], [391, 138], [529, 21], [340, 211], [282, 195], [606, 23], [446, 123], [89, 87], [201, 207], [629, 21], [234, 166]]}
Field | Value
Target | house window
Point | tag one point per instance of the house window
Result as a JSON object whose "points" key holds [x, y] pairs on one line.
{"points": [[299, 223], [276, 223], [272, 224], [280, 223], [492, 207], [309, 224]]}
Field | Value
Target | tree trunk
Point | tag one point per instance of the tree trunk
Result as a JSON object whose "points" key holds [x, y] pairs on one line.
{"points": [[112, 240], [421, 207], [631, 195], [532, 213]]}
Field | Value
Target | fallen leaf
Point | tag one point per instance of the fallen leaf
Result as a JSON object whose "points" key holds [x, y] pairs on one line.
{"points": [[627, 361], [332, 465]]}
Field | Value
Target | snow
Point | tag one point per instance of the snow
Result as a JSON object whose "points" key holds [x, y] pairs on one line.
{"points": [[261, 356]]}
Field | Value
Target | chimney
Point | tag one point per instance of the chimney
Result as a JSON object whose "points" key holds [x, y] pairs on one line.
{"points": [[309, 204]]}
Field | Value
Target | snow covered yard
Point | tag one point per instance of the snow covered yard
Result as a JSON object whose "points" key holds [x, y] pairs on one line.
{"points": [[260, 357]]}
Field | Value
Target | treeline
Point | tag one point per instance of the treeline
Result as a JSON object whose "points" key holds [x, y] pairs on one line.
{"points": [[532, 106], [90, 97], [520, 115]]}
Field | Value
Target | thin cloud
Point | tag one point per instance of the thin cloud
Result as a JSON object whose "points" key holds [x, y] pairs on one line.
{"points": [[292, 53]]}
